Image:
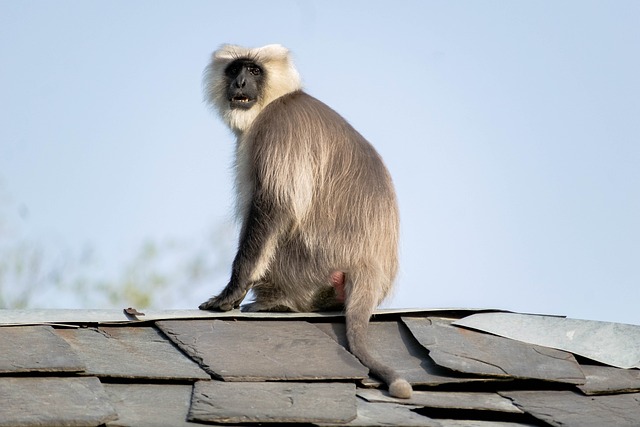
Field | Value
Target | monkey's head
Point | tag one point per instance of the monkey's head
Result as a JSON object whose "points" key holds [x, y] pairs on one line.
{"points": [[246, 80], [239, 82]]}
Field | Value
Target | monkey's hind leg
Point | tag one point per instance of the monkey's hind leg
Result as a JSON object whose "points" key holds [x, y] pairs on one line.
{"points": [[268, 297], [253, 307]]}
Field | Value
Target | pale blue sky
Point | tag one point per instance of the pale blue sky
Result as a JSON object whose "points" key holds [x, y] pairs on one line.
{"points": [[511, 129]]}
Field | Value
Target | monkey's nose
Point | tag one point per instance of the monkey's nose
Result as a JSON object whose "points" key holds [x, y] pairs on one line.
{"points": [[241, 82]]}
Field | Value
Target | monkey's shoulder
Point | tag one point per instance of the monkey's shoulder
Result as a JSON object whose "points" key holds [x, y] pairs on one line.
{"points": [[300, 97], [299, 105]]}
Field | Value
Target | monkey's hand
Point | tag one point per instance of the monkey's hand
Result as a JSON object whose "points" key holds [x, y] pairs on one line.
{"points": [[227, 300]]}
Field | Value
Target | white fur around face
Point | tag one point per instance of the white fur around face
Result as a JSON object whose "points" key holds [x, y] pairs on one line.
{"points": [[281, 78]]}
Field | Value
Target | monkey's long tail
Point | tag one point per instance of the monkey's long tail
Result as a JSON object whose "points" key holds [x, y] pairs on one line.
{"points": [[358, 310]]}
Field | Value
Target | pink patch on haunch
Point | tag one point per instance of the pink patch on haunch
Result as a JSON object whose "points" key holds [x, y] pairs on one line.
{"points": [[337, 281]]}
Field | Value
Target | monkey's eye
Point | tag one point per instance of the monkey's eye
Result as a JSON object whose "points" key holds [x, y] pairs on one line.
{"points": [[256, 71], [233, 70]]}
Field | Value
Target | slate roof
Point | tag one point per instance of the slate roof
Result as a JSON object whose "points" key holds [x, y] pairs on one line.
{"points": [[182, 368]]}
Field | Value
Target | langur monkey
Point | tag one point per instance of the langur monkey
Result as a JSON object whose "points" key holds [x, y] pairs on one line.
{"points": [[318, 212]]}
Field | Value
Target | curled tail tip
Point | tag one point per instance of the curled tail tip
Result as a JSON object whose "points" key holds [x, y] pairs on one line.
{"points": [[400, 388]]}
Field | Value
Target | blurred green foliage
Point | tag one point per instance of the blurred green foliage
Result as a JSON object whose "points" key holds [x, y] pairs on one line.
{"points": [[172, 273]]}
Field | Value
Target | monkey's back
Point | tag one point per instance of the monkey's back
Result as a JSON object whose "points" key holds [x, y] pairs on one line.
{"points": [[334, 187]]}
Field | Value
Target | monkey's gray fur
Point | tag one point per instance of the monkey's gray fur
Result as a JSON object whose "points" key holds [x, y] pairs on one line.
{"points": [[316, 203]]}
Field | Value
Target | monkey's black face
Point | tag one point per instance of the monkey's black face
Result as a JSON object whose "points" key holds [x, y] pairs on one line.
{"points": [[246, 79]]}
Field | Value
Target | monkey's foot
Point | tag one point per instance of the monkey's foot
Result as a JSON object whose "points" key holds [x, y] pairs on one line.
{"points": [[215, 303], [256, 306], [222, 302]]}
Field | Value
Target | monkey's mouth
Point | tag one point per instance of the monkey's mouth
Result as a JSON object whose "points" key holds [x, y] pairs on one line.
{"points": [[241, 101]]}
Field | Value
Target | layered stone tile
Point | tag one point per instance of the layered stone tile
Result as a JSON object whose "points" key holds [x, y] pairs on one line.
{"points": [[130, 352], [273, 402], [472, 352], [36, 349], [265, 350], [47, 401]]}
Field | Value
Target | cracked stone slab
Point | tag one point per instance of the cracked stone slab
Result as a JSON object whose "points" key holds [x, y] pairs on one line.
{"points": [[474, 401], [150, 405], [131, 352], [46, 401], [387, 414], [263, 350], [36, 349], [614, 344], [482, 423], [394, 345], [563, 408], [478, 353], [609, 380], [272, 402]]}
